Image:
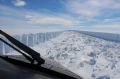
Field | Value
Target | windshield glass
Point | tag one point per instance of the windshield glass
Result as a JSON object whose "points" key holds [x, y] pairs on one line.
{"points": [[81, 35]]}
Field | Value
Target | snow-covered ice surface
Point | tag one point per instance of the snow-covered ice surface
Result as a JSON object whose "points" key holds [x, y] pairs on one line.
{"points": [[87, 56]]}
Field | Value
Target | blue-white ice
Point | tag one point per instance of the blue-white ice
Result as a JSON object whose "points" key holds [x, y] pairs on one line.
{"points": [[87, 56]]}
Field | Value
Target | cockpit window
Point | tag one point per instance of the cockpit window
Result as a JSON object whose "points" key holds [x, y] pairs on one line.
{"points": [[81, 35]]}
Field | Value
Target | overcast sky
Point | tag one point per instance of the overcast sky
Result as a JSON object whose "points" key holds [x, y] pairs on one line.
{"points": [[93, 15]]}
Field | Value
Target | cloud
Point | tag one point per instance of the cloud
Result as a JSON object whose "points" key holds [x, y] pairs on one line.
{"points": [[113, 20], [116, 26], [14, 18], [8, 11], [19, 3], [110, 28], [92, 8], [50, 20], [13, 22]]}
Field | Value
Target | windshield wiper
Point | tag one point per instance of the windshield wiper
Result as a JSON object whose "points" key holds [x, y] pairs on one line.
{"points": [[35, 56], [26, 56]]}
